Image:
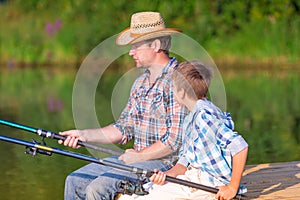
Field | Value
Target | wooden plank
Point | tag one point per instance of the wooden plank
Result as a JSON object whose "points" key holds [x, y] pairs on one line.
{"points": [[273, 181]]}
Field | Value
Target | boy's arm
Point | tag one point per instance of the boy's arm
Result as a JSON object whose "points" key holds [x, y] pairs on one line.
{"points": [[178, 169], [238, 163]]}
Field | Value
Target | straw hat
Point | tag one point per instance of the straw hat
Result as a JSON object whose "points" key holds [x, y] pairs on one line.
{"points": [[144, 26]]}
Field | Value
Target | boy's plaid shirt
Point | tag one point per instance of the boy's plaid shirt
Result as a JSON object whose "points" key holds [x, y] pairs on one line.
{"points": [[210, 142], [152, 114]]}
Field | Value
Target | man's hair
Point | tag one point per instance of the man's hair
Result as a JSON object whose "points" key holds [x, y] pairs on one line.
{"points": [[165, 42], [193, 77]]}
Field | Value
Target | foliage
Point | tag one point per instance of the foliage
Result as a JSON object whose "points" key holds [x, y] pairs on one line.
{"points": [[257, 29]]}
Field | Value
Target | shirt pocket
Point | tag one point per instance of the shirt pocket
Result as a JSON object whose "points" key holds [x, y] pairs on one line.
{"points": [[157, 107], [137, 103]]}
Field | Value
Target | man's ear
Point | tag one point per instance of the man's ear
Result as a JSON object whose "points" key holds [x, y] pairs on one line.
{"points": [[156, 44]]}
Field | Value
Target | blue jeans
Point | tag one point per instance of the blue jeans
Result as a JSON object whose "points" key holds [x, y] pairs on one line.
{"points": [[96, 181]]}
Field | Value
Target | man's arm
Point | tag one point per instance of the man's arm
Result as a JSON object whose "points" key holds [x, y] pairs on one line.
{"points": [[105, 135], [154, 151]]}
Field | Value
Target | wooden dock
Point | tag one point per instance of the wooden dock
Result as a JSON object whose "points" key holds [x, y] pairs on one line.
{"points": [[273, 181]]}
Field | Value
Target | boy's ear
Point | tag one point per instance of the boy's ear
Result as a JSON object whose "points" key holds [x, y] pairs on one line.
{"points": [[181, 93], [156, 45]]}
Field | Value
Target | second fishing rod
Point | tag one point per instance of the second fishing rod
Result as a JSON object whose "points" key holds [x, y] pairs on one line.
{"points": [[49, 134], [127, 186]]}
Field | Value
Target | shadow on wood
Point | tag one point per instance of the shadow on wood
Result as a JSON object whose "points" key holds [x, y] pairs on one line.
{"points": [[273, 181]]}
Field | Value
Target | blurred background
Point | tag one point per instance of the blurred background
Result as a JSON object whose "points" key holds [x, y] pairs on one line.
{"points": [[255, 45]]}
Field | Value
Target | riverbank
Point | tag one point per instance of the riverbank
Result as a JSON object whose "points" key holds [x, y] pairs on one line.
{"points": [[222, 64], [43, 33]]}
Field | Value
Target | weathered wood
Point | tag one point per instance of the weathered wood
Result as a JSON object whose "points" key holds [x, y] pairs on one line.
{"points": [[273, 181]]}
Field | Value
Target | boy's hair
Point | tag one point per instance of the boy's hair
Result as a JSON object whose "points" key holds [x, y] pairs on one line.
{"points": [[193, 77]]}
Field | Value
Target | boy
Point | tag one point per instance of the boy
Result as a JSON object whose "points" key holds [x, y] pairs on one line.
{"points": [[212, 153]]}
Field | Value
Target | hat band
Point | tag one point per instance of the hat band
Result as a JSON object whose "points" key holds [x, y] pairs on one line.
{"points": [[139, 29], [135, 34], [141, 34], [143, 26]]}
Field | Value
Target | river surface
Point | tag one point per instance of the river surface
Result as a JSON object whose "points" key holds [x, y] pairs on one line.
{"points": [[264, 105]]}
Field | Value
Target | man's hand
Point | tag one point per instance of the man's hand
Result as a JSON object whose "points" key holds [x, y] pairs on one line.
{"points": [[72, 138], [131, 156]]}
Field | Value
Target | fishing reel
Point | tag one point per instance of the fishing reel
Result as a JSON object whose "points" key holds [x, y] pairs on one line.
{"points": [[131, 187], [33, 150]]}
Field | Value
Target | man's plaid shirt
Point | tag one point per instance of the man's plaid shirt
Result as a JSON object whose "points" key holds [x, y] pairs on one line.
{"points": [[152, 113]]}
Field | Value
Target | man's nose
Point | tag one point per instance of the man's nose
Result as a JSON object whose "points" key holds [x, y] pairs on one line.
{"points": [[131, 52]]}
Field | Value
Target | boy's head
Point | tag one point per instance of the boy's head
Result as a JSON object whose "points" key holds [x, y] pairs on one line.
{"points": [[193, 77]]}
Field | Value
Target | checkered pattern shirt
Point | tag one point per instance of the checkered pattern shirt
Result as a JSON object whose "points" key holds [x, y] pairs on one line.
{"points": [[152, 114], [210, 143]]}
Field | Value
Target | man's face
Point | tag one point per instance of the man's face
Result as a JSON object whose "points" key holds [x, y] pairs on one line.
{"points": [[141, 53]]}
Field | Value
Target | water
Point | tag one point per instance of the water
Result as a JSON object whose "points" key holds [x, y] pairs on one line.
{"points": [[264, 105], [28, 177]]}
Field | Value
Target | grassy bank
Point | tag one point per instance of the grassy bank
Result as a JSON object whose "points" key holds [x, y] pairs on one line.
{"points": [[35, 32]]}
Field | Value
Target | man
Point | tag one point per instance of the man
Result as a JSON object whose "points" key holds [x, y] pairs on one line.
{"points": [[151, 117]]}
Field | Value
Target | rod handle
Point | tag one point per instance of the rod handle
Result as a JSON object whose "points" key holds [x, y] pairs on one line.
{"points": [[200, 186], [89, 145]]}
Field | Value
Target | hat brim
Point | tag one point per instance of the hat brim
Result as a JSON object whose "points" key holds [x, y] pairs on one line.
{"points": [[125, 37]]}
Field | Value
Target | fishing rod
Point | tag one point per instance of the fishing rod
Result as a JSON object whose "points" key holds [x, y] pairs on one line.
{"points": [[127, 186], [52, 135]]}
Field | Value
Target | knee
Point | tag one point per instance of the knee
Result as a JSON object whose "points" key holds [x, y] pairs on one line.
{"points": [[70, 180], [95, 191], [75, 183], [90, 192], [101, 188], [74, 179]]}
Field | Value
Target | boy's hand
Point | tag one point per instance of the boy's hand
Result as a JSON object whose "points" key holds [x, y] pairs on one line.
{"points": [[226, 192], [158, 177]]}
